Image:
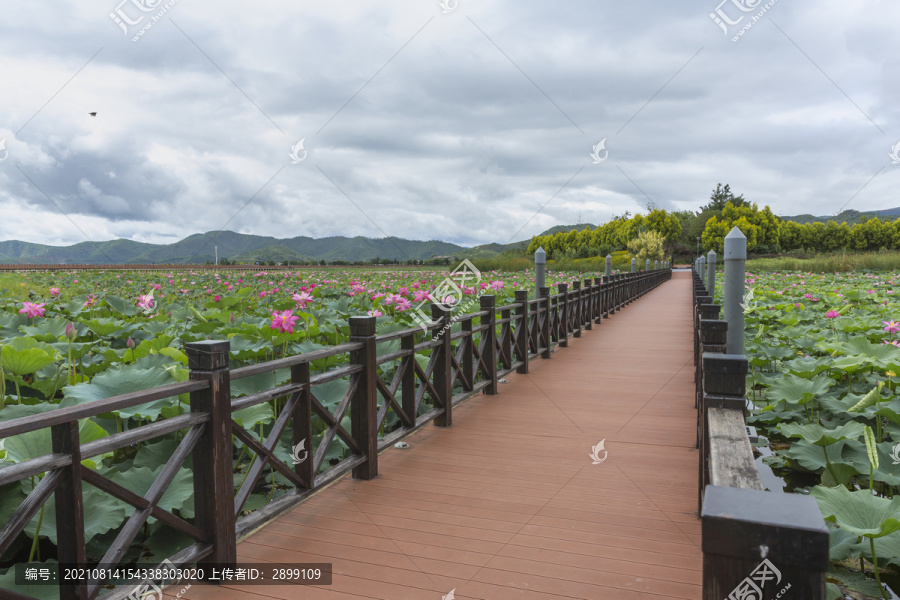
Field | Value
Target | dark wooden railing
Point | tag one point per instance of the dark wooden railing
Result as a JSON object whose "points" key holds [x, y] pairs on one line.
{"points": [[751, 537], [489, 344]]}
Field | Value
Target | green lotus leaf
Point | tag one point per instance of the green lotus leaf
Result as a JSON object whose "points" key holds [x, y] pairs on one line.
{"points": [[797, 390], [38, 443], [102, 513], [806, 367], [858, 512], [819, 435], [121, 305], [842, 544], [856, 454], [114, 382], [23, 356], [46, 330], [139, 480], [10, 324], [106, 327], [252, 416]]}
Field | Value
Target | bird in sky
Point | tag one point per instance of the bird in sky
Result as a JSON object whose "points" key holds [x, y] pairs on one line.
{"points": [[93, 114]]}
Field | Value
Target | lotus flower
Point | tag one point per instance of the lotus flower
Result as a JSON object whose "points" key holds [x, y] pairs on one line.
{"points": [[284, 322], [302, 299], [32, 309]]}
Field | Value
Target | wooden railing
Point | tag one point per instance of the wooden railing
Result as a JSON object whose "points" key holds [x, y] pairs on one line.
{"points": [[489, 344], [751, 537]]}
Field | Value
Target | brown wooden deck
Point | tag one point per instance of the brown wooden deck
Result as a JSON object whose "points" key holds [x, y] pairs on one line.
{"points": [[507, 503]]}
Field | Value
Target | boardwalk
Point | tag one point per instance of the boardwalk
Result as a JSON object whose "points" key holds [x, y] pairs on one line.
{"points": [[507, 503]]}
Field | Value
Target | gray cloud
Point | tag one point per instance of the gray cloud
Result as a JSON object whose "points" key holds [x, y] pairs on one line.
{"points": [[464, 134]]}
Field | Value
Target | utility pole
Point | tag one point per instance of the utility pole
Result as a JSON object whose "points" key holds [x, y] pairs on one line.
{"points": [[217, 255]]}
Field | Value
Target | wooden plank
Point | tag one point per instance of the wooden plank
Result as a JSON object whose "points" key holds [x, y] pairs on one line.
{"points": [[507, 503], [731, 462]]}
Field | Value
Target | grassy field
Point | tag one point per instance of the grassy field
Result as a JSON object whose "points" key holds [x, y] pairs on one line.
{"points": [[884, 260]]}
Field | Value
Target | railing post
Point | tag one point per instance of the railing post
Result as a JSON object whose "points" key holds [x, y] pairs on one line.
{"points": [[770, 541], [587, 313], [302, 425], [363, 411], [489, 356], [540, 267], [647, 265], [608, 270], [467, 362], [522, 330], [69, 508], [735, 255], [562, 289], [213, 456], [441, 373], [576, 321], [711, 273], [598, 300], [609, 300], [408, 393], [545, 330]]}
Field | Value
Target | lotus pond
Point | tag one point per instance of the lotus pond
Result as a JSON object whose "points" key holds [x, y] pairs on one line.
{"points": [[822, 390], [73, 337]]}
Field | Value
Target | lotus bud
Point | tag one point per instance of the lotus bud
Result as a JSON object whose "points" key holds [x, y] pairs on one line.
{"points": [[70, 331], [231, 318], [130, 343]]}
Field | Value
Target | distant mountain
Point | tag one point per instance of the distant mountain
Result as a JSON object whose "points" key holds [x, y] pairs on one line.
{"points": [[201, 247], [850, 216]]}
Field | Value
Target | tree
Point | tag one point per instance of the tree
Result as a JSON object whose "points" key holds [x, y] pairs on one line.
{"points": [[722, 196], [667, 224], [647, 245]]}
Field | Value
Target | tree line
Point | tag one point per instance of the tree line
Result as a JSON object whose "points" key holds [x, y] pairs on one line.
{"points": [[680, 230]]}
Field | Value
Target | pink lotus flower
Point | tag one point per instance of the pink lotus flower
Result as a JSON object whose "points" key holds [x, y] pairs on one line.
{"points": [[32, 310], [375, 313], [892, 343], [302, 299], [497, 285], [832, 314], [284, 322], [807, 296], [798, 305], [91, 301], [145, 302], [890, 326], [54, 291], [217, 298], [403, 304], [422, 296]]}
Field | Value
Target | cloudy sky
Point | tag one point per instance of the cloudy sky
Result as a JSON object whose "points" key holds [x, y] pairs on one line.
{"points": [[469, 122]]}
